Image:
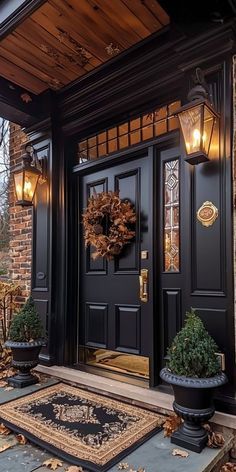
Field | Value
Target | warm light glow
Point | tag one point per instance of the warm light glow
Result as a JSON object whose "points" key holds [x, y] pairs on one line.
{"points": [[196, 138], [28, 190], [197, 125], [18, 189]]}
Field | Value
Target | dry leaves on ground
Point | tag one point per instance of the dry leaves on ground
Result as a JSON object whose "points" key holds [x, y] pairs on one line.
{"points": [[4, 430], [8, 389], [171, 425], [53, 463], [42, 378], [74, 468], [180, 453], [21, 439], [125, 466], [228, 467], [215, 440], [5, 366], [3, 383]]}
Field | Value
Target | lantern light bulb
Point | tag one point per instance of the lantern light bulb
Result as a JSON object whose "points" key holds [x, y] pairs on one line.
{"points": [[196, 138]]}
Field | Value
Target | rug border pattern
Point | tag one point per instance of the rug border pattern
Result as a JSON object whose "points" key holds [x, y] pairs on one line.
{"points": [[150, 421]]}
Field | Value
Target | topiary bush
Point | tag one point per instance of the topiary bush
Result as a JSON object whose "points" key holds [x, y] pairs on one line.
{"points": [[26, 325], [192, 353]]}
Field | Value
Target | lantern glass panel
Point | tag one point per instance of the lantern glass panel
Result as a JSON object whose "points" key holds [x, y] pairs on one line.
{"points": [[30, 183], [18, 180], [190, 121], [209, 120]]}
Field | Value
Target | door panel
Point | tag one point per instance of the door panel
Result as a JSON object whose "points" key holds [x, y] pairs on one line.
{"points": [[111, 314]]}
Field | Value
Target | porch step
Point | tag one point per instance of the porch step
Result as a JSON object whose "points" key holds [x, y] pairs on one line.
{"points": [[147, 398]]}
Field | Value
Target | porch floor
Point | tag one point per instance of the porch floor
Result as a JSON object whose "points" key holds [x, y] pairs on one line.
{"points": [[155, 455]]}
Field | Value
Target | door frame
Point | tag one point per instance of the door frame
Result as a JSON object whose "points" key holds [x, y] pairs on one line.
{"points": [[73, 288]]}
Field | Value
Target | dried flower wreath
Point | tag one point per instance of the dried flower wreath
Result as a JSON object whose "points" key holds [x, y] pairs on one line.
{"points": [[107, 224]]}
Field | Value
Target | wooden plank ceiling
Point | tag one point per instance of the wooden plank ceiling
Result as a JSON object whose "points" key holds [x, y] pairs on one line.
{"points": [[64, 39]]}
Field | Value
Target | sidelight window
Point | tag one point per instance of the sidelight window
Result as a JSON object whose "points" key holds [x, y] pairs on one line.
{"points": [[171, 216]]}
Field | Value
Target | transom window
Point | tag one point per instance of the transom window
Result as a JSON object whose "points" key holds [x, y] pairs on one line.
{"points": [[143, 128]]}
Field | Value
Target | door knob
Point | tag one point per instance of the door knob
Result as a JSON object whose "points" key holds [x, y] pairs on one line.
{"points": [[143, 285]]}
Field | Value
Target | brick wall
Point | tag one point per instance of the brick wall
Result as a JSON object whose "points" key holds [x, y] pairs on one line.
{"points": [[20, 222]]}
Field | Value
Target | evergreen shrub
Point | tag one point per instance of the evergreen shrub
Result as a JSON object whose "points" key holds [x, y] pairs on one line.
{"points": [[26, 325], [193, 350]]}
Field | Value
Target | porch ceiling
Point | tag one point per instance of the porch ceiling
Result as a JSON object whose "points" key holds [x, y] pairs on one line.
{"points": [[64, 39]]}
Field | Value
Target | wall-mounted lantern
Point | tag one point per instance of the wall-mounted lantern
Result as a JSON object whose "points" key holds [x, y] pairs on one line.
{"points": [[26, 177], [197, 120]]}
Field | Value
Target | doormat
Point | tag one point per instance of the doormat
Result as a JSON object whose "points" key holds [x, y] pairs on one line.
{"points": [[84, 428]]}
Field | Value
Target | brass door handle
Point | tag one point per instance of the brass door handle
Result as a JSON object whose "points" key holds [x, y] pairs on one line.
{"points": [[143, 285]]}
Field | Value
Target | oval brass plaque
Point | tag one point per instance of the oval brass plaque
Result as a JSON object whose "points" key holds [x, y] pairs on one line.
{"points": [[207, 214]]}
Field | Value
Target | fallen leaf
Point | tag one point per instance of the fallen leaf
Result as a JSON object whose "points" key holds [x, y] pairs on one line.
{"points": [[4, 430], [123, 465], [74, 468], [3, 383], [228, 467], [215, 440], [140, 469], [8, 389], [180, 452], [21, 439], [4, 447], [171, 425], [53, 463]]}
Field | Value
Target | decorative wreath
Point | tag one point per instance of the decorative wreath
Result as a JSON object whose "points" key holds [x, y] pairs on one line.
{"points": [[108, 223]]}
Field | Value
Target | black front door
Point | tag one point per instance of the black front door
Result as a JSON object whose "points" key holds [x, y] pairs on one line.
{"points": [[115, 326]]}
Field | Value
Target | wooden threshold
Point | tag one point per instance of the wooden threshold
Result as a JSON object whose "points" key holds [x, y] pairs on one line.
{"points": [[147, 398]]}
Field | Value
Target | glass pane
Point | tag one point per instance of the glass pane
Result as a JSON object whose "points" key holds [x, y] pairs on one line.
{"points": [[102, 149], [160, 114], [190, 121], [123, 129], [18, 178], [147, 119], [112, 133], [102, 137], [173, 123], [92, 141], [160, 127], [135, 137], [208, 128], [112, 145], [83, 145], [135, 124], [147, 132], [30, 183], [173, 107], [171, 216], [123, 141], [92, 154], [83, 156]]}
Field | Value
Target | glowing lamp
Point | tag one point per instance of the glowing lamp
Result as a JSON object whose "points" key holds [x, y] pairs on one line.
{"points": [[26, 177], [197, 120]]}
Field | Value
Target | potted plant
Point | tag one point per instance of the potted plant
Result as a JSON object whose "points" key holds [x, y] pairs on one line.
{"points": [[194, 372], [25, 341]]}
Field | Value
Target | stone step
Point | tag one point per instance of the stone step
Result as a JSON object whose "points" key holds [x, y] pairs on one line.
{"points": [[145, 397]]}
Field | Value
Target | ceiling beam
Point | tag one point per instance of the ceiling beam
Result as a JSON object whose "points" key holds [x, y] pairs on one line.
{"points": [[21, 106]]}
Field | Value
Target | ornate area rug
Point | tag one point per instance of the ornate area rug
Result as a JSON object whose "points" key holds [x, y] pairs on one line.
{"points": [[85, 428]]}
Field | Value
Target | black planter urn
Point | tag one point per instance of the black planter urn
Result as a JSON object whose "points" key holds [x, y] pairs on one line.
{"points": [[25, 357], [194, 403]]}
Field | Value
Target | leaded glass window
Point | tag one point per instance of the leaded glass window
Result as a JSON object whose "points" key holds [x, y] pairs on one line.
{"points": [[171, 216], [134, 131]]}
